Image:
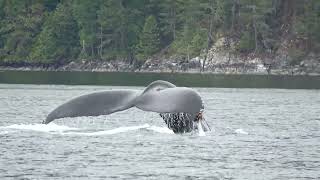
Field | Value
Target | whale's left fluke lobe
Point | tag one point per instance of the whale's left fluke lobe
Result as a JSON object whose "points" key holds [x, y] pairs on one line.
{"points": [[95, 104], [179, 107]]}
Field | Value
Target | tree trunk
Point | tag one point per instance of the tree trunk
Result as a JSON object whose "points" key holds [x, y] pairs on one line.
{"points": [[233, 10], [209, 38], [92, 50], [255, 28], [83, 47], [101, 40], [174, 23], [188, 54], [287, 9]]}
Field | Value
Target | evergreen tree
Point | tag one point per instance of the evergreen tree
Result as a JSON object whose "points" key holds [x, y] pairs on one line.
{"points": [[308, 24], [111, 18], [195, 27], [58, 42], [120, 25], [20, 25], [255, 26], [53, 31], [85, 13], [170, 19], [2, 16], [50, 5], [149, 39]]}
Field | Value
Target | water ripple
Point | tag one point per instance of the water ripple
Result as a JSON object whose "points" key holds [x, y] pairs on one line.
{"points": [[258, 134]]}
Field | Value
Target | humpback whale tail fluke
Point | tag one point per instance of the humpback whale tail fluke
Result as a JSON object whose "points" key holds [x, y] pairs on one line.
{"points": [[181, 108]]}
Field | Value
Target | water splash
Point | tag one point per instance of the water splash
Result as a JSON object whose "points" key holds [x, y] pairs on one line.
{"points": [[40, 127], [201, 132], [164, 130], [4, 132], [241, 131]]}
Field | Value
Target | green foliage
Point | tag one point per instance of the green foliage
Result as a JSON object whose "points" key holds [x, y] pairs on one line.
{"points": [[50, 5], [190, 42], [198, 43], [296, 56], [55, 31], [246, 42], [2, 24], [85, 13], [59, 40], [149, 40], [20, 23], [120, 24], [2, 5], [308, 23], [255, 26], [170, 19]]}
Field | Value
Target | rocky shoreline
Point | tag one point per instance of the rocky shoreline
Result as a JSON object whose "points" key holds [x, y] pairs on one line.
{"points": [[177, 66], [220, 60], [217, 63]]}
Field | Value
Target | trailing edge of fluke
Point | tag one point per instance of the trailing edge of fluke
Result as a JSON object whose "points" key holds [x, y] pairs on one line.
{"points": [[180, 107]]}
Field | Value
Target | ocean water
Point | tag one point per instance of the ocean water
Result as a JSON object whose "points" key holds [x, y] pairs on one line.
{"points": [[256, 134]]}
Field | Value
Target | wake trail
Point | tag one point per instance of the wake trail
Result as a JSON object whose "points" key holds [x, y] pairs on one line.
{"points": [[39, 127], [122, 130], [65, 130], [108, 132]]}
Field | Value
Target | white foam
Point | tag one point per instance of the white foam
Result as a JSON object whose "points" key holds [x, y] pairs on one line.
{"points": [[241, 131], [122, 130], [4, 132], [201, 132], [164, 130], [109, 132], [54, 128], [39, 127]]}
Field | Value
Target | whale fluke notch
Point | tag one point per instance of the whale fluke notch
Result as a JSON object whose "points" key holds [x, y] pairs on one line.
{"points": [[178, 106]]}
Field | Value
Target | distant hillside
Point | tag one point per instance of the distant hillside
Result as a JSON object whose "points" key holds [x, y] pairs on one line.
{"points": [[224, 35]]}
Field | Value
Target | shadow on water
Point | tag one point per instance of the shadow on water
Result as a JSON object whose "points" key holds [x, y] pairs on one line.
{"points": [[141, 79]]}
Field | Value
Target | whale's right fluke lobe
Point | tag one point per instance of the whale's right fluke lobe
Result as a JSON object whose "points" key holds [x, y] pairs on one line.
{"points": [[170, 100], [95, 104]]}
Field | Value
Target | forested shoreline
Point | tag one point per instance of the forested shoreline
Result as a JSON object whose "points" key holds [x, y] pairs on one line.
{"points": [[234, 34]]}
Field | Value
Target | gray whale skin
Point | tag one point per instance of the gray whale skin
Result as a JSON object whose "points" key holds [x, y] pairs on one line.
{"points": [[181, 108]]}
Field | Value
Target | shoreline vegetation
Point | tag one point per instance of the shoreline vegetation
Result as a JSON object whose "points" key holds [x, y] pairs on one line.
{"points": [[279, 37], [239, 66], [123, 67]]}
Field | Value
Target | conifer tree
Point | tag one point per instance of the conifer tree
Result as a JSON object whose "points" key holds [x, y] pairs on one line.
{"points": [[19, 26], [85, 13], [149, 40], [2, 15], [58, 41], [52, 31]]}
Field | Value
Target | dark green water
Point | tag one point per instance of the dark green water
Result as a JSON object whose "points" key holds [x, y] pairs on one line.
{"points": [[142, 79]]}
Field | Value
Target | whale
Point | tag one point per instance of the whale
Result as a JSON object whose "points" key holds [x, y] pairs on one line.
{"points": [[181, 108]]}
